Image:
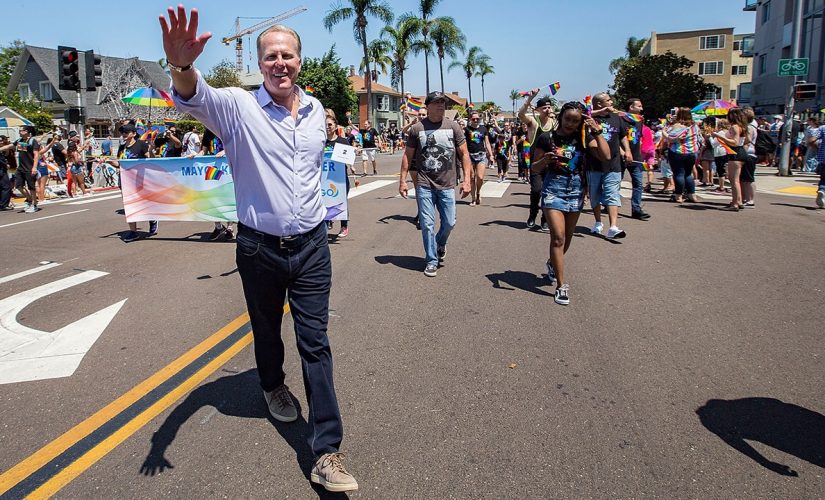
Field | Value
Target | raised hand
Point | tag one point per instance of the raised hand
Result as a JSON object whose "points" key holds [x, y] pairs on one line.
{"points": [[181, 41]]}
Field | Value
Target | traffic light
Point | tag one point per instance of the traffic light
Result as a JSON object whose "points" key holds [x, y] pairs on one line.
{"points": [[804, 91], [74, 115], [94, 74], [67, 62]]}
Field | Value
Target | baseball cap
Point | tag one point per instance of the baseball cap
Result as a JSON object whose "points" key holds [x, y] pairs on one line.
{"points": [[544, 101], [125, 129], [434, 96]]}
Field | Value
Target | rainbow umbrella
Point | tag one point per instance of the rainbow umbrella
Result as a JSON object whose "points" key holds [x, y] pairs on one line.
{"points": [[148, 96], [715, 107], [13, 122]]}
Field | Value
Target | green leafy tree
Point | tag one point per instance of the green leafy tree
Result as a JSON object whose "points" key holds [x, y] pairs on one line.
{"points": [[401, 38], [514, 96], [632, 49], [359, 11], [8, 60], [483, 69], [448, 40], [661, 82], [223, 75], [470, 65], [28, 108], [331, 83]]}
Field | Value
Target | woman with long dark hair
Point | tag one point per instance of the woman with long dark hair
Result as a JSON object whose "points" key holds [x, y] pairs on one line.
{"points": [[561, 153], [736, 138]]}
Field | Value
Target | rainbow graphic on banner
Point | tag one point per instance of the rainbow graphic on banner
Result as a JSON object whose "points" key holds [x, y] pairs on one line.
{"points": [[413, 103], [213, 174]]}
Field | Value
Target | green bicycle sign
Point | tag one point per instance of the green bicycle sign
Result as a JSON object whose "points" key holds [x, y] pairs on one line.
{"points": [[793, 67]]}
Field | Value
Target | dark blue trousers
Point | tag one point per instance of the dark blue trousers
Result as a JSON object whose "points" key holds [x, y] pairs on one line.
{"points": [[303, 272]]}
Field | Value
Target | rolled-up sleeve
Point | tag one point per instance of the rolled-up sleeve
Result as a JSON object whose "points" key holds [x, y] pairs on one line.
{"points": [[215, 108]]}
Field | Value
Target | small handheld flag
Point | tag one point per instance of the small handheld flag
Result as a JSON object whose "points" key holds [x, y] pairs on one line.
{"points": [[413, 103], [632, 117], [310, 90], [554, 87], [588, 104]]}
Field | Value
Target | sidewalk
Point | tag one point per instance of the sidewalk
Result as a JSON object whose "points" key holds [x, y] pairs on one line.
{"points": [[800, 184]]}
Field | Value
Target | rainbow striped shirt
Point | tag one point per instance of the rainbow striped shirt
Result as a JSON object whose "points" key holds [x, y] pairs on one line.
{"points": [[685, 140]]}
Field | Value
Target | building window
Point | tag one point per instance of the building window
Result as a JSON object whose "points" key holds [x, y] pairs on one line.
{"points": [[24, 91], [732, 94], [384, 103], [766, 11], [714, 94], [711, 42], [45, 90], [712, 68], [737, 45], [101, 131], [763, 64], [739, 70]]}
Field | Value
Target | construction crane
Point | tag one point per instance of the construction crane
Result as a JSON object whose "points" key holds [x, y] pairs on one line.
{"points": [[240, 33]]}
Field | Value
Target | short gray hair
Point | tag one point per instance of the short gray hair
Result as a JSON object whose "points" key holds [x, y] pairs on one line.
{"points": [[279, 28]]}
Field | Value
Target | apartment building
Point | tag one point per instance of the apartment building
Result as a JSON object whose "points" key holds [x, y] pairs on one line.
{"points": [[717, 57]]}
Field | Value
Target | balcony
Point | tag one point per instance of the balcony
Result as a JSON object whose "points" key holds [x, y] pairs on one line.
{"points": [[746, 46], [750, 5]]}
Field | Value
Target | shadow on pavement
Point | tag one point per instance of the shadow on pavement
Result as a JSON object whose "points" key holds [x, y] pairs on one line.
{"points": [[403, 261], [522, 280], [507, 223], [806, 207], [784, 426], [235, 396], [397, 217]]}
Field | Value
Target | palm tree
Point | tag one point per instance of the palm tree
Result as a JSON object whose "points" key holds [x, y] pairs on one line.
{"points": [[484, 69], [426, 23], [514, 96], [401, 39], [470, 64], [377, 52], [632, 49], [448, 39], [359, 10]]}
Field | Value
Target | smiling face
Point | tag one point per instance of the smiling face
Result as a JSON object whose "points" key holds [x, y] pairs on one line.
{"points": [[570, 121], [280, 64]]}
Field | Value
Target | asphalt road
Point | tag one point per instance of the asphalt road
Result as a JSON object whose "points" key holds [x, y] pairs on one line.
{"points": [[688, 365]]}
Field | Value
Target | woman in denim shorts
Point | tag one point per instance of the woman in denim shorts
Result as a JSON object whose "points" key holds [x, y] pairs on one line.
{"points": [[561, 153]]}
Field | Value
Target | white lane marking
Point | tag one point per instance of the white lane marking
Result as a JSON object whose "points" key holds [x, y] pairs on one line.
{"points": [[29, 354], [67, 200], [92, 200], [494, 189], [41, 218], [21, 274], [366, 188]]}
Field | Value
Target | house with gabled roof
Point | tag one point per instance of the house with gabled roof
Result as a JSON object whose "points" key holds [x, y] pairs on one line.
{"points": [[37, 74], [386, 102]]}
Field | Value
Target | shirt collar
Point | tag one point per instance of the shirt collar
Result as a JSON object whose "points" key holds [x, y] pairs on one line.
{"points": [[263, 97]]}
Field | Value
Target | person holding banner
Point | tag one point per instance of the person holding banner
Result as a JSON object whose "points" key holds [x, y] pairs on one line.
{"points": [[332, 139], [274, 138]]}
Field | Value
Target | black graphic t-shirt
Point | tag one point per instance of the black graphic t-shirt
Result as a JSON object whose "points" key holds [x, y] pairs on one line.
{"points": [[59, 153], [634, 138], [25, 153], [435, 151], [568, 151], [368, 135], [613, 129], [140, 149], [475, 138]]}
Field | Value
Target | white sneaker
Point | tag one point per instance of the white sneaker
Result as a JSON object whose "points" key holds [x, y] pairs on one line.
{"points": [[563, 295], [597, 228], [30, 209], [614, 232], [820, 199]]}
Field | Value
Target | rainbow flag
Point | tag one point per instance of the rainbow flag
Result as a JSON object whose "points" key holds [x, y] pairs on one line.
{"points": [[149, 135], [413, 103], [310, 90], [729, 150], [554, 87], [632, 117], [525, 153], [588, 104], [213, 174]]}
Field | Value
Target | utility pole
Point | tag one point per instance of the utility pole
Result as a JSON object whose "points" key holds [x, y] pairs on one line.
{"points": [[796, 44]]}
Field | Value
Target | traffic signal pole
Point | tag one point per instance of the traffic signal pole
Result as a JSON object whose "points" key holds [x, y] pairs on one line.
{"points": [[785, 152]]}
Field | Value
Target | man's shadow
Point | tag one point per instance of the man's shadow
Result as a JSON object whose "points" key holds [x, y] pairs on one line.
{"points": [[236, 396], [787, 427]]}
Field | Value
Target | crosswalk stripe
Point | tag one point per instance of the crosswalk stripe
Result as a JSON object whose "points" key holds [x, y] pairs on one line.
{"points": [[366, 188]]}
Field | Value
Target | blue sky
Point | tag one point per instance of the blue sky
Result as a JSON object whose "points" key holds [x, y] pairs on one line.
{"points": [[530, 42]]}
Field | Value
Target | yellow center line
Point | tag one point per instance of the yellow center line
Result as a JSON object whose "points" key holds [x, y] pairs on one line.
{"points": [[71, 437]]}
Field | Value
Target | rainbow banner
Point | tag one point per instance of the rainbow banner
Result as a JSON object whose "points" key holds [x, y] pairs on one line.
{"points": [[200, 189], [203, 189], [413, 103]]}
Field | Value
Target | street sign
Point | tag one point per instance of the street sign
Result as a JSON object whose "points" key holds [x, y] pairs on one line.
{"points": [[793, 67]]}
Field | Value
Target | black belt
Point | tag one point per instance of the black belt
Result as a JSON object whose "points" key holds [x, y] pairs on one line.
{"points": [[282, 242]]}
